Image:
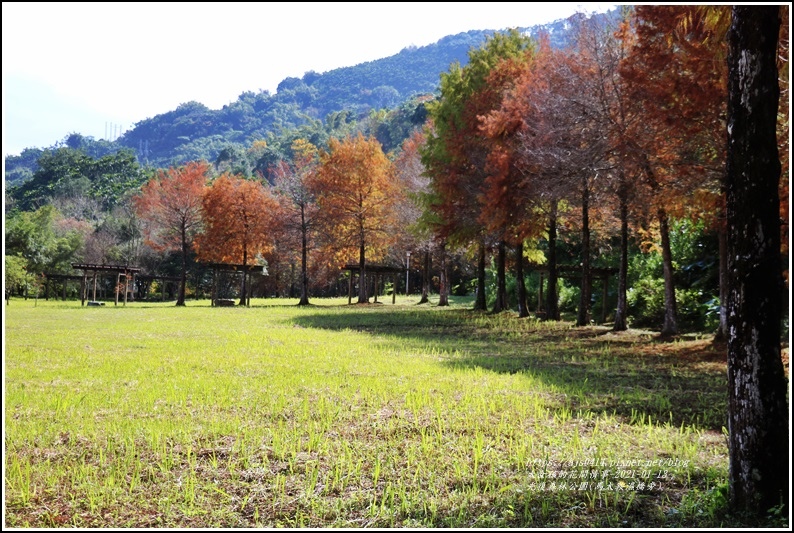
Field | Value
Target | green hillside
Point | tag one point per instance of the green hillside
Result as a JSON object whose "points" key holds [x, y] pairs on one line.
{"points": [[315, 102]]}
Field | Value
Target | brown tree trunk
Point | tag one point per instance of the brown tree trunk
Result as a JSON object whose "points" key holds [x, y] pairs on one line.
{"points": [[425, 279], [552, 305], [362, 276], [443, 289], [243, 288], [758, 414], [501, 284], [521, 288], [180, 301], [304, 259], [583, 316], [670, 326], [621, 322], [479, 301]]}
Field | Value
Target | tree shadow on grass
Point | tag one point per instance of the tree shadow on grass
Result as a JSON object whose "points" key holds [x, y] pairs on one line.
{"points": [[632, 375]]}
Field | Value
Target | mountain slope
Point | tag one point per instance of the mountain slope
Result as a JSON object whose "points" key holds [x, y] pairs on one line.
{"points": [[193, 131]]}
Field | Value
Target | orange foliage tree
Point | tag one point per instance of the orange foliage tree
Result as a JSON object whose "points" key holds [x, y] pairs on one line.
{"points": [[413, 180], [550, 146], [355, 190], [507, 201], [238, 219], [526, 178], [456, 152], [298, 206], [676, 73], [591, 115], [170, 208], [528, 154]]}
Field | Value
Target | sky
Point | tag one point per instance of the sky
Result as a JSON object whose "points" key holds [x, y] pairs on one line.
{"points": [[99, 68]]}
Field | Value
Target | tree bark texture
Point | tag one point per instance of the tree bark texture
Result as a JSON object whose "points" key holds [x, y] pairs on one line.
{"points": [[480, 303], [362, 275], [552, 300], [521, 288], [621, 310], [443, 286], [670, 326], [425, 279], [758, 410], [500, 304], [304, 259], [180, 301], [583, 316]]}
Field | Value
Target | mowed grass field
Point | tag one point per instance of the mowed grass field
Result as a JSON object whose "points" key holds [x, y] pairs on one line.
{"points": [[381, 415]]}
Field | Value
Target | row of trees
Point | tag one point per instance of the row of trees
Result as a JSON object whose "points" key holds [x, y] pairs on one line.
{"points": [[623, 132], [627, 128], [332, 204], [528, 148]]}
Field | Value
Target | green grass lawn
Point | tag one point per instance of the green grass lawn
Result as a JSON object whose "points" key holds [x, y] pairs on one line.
{"points": [[148, 415]]}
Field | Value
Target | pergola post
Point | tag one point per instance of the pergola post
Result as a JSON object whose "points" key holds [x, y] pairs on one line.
{"points": [[120, 270]]}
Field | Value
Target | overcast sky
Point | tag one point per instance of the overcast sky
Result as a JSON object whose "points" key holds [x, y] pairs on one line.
{"points": [[80, 67]]}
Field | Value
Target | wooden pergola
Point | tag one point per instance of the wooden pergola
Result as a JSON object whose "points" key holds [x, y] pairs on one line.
{"points": [[162, 279], [245, 270], [575, 272], [64, 279], [120, 270], [377, 271]]}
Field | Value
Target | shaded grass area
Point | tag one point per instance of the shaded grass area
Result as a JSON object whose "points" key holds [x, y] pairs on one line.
{"points": [[355, 416]]}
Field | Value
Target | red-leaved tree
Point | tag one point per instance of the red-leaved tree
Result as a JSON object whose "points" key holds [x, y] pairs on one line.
{"points": [[238, 219], [355, 191], [170, 208]]}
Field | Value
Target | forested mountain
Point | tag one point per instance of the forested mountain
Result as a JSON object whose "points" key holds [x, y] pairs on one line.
{"points": [[316, 100]]}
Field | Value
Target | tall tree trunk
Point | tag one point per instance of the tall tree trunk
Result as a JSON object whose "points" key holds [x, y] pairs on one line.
{"points": [[552, 305], [243, 292], [583, 316], [362, 276], [425, 279], [304, 259], [480, 301], [670, 326], [443, 289], [758, 412], [501, 284], [521, 288], [621, 311], [180, 301]]}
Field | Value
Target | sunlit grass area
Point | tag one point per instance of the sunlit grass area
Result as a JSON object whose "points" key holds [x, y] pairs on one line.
{"points": [[380, 415]]}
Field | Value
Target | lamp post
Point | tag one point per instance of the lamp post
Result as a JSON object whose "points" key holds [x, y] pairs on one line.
{"points": [[407, 270]]}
